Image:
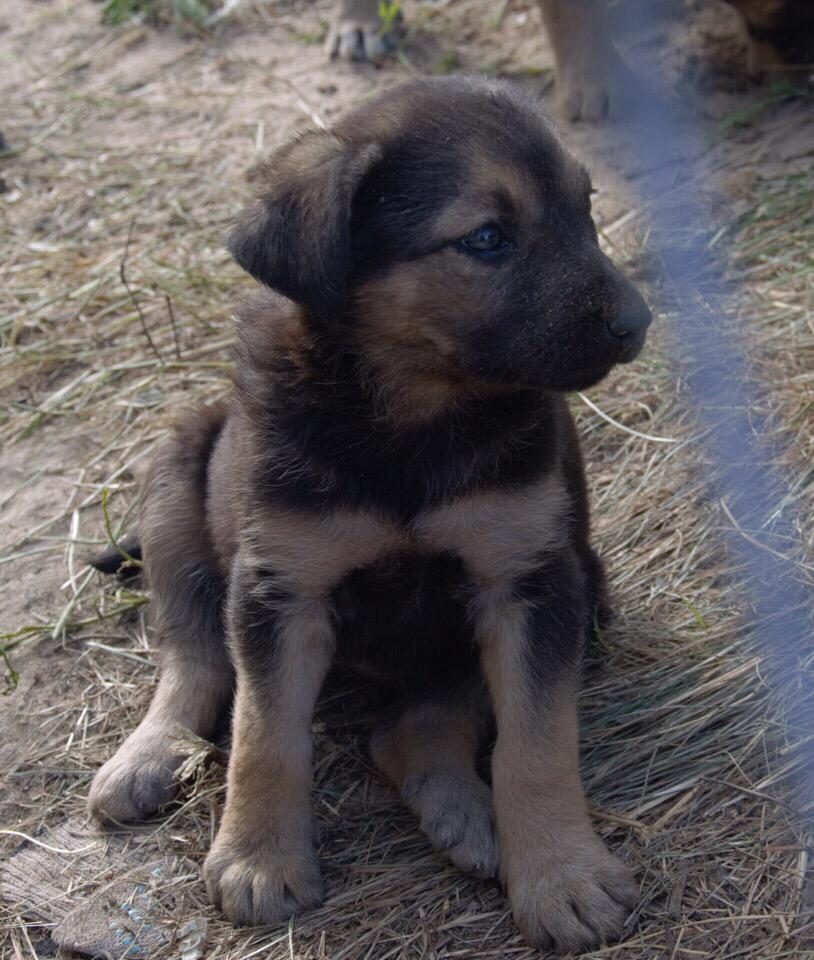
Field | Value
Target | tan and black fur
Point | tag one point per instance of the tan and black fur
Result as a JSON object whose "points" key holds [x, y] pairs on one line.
{"points": [[397, 485]]}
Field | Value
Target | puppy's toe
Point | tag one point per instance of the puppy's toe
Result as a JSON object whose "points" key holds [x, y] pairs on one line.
{"points": [[456, 815], [135, 782], [572, 904], [262, 883]]}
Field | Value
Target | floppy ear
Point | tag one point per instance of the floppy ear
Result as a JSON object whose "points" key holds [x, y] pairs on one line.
{"points": [[295, 238]]}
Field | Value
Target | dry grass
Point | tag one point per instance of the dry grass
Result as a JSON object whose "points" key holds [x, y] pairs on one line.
{"points": [[687, 757]]}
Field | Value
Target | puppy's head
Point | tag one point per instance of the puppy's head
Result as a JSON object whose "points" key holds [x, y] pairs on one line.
{"points": [[445, 229]]}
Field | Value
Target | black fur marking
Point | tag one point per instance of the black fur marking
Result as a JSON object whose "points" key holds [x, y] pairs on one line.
{"points": [[328, 447], [789, 29], [296, 237], [263, 245], [256, 601], [404, 621], [558, 616], [399, 199], [204, 593]]}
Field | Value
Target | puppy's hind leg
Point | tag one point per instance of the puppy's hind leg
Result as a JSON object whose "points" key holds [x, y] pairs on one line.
{"points": [[429, 753], [196, 675]]}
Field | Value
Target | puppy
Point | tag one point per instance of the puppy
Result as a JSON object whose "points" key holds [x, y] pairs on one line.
{"points": [[397, 485], [593, 81]]}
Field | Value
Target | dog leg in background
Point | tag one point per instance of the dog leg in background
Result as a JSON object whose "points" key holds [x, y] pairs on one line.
{"points": [[429, 753], [196, 679], [564, 887], [358, 32], [262, 867], [780, 36], [593, 80]]}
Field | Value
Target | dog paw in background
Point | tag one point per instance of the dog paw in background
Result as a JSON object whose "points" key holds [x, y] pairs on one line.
{"points": [[365, 30], [586, 92], [593, 81]]}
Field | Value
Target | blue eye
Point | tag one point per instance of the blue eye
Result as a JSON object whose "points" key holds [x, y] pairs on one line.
{"points": [[486, 239]]}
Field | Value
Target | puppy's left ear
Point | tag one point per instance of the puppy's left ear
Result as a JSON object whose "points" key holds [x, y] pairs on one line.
{"points": [[295, 238]]}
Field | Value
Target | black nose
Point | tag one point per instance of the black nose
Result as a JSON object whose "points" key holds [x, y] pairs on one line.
{"points": [[631, 319]]}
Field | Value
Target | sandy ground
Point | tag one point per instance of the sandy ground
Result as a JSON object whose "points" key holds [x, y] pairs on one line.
{"points": [[212, 105]]}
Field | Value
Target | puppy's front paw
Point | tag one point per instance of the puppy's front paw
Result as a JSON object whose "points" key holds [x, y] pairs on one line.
{"points": [[262, 882], [573, 897], [136, 780]]}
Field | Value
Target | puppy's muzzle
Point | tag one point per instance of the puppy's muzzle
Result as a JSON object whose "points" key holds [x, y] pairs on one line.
{"points": [[627, 323]]}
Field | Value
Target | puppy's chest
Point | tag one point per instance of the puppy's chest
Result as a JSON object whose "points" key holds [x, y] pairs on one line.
{"points": [[404, 619], [492, 538], [400, 594]]}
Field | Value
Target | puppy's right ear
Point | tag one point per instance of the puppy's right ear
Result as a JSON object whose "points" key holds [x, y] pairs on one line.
{"points": [[296, 237]]}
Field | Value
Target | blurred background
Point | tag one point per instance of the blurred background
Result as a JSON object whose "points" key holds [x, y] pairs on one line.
{"points": [[131, 129]]}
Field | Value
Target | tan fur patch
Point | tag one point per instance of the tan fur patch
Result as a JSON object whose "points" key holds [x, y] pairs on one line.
{"points": [[273, 715], [190, 694], [500, 535], [407, 341], [429, 755], [463, 215], [535, 763], [408, 337], [486, 183], [263, 856], [488, 178], [563, 884], [140, 776], [429, 737], [312, 552]]}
